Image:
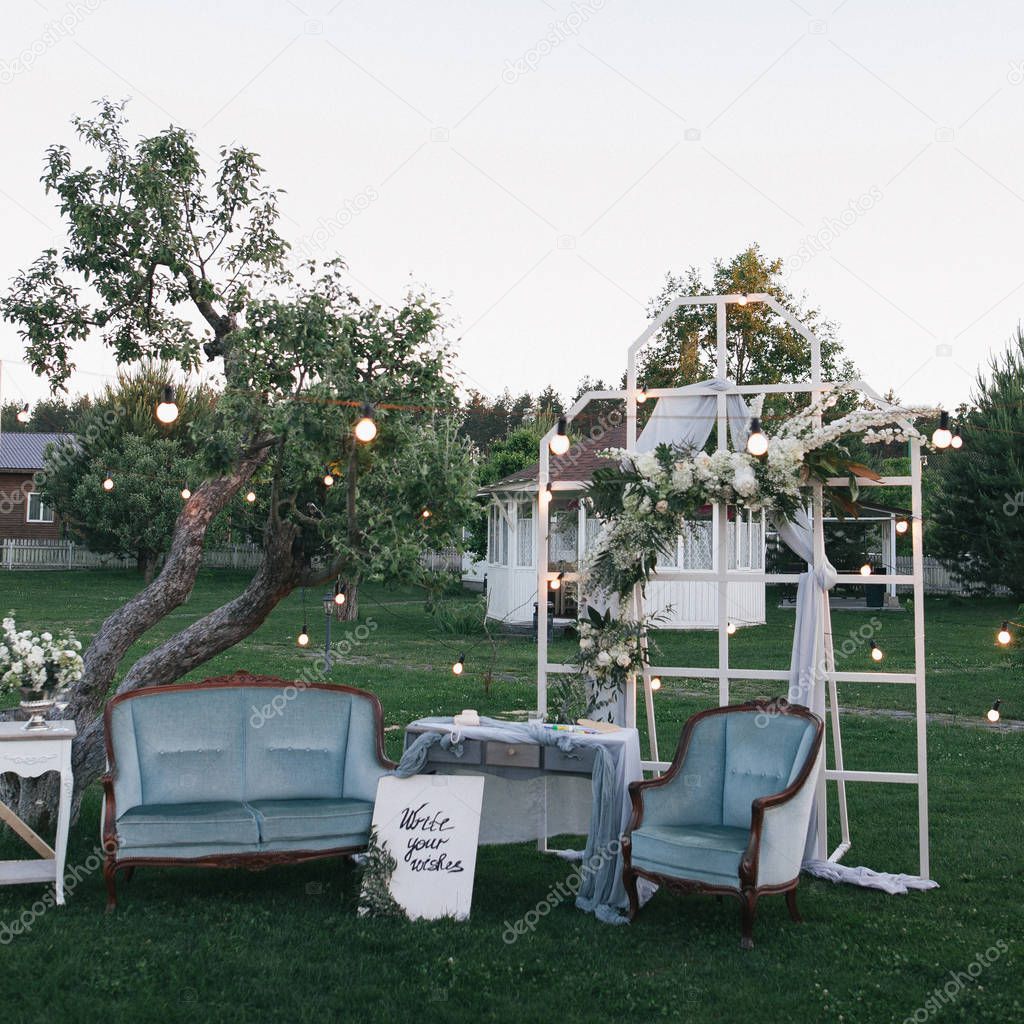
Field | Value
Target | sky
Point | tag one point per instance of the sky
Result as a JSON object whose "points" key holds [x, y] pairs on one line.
{"points": [[542, 164]]}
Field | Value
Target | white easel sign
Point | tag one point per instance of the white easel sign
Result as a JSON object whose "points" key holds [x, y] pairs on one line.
{"points": [[430, 824]]}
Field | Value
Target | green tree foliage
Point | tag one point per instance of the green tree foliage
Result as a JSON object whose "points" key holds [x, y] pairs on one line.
{"points": [[975, 504], [763, 348], [54, 415], [164, 260], [150, 464]]}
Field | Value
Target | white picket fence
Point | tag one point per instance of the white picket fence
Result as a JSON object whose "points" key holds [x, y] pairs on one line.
{"points": [[937, 578], [66, 554]]}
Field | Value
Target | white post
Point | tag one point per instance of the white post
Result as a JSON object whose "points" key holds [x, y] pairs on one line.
{"points": [[891, 525], [543, 519], [919, 660], [722, 516]]}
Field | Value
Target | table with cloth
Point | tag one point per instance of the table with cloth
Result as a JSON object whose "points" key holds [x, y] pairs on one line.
{"points": [[523, 803]]}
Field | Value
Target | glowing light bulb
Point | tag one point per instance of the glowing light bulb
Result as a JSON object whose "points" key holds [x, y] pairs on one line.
{"points": [[250, 497], [655, 682], [1003, 637], [545, 495], [426, 514], [731, 628], [957, 441], [185, 494], [328, 480], [742, 300], [23, 415], [993, 712], [459, 665], [559, 443], [902, 526], [555, 583], [303, 638], [943, 436], [757, 443], [108, 483], [339, 597], [366, 428], [167, 410], [876, 652], [641, 397], [865, 569]]}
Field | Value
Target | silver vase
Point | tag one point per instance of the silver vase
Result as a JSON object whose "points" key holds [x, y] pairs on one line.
{"points": [[36, 709]]}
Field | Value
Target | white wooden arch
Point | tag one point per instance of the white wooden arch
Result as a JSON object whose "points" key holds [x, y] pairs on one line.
{"points": [[826, 707]]}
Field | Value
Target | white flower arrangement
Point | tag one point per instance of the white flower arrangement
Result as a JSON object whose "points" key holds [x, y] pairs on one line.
{"points": [[43, 663], [645, 500]]}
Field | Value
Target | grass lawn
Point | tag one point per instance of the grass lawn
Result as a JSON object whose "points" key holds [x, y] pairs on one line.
{"points": [[285, 944]]}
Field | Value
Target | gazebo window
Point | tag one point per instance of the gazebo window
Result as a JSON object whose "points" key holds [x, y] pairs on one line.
{"points": [[563, 537], [524, 533], [698, 546], [497, 536]]}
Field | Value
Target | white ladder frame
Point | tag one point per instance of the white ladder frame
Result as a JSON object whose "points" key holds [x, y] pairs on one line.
{"points": [[826, 697]]}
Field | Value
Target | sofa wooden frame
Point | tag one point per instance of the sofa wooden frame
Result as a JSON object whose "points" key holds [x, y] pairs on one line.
{"points": [[252, 861], [748, 892]]}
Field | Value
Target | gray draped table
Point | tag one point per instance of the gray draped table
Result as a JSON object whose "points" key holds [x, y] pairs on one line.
{"points": [[530, 802]]}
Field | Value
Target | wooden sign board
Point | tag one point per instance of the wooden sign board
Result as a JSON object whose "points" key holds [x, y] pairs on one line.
{"points": [[430, 824]]}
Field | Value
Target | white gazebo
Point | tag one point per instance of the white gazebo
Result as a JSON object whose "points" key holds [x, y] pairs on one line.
{"points": [[510, 563]]}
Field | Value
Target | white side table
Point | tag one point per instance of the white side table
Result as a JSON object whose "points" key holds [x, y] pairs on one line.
{"points": [[31, 753]]}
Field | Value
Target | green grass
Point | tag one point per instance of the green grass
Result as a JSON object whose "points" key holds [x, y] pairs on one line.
{"points": [[285, 944]]}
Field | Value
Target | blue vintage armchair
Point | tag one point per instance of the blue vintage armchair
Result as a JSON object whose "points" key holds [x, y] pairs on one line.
{"points": [[730, 816]]}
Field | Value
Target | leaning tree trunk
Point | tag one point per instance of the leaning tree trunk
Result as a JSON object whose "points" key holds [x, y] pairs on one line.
{"points": [[35, 800]]}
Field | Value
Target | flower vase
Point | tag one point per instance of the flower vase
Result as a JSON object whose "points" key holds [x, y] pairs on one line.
{"points": [[36, 704]]}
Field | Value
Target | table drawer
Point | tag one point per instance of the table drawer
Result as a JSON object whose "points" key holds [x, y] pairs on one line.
{"points": [[580, 760], [472, 753], [518, 755]]}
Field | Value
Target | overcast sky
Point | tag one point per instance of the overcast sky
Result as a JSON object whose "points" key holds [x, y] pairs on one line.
{"points": [[543, 164]]}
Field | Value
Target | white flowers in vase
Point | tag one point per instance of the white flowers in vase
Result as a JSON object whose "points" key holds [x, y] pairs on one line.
{"points": [[40, 663]]}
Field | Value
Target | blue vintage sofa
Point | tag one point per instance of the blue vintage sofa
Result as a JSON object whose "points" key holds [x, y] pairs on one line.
{"points": [[242, 771], [731, 814]]}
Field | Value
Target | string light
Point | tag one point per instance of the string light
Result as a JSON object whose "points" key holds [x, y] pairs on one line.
{"points": [[731, 628], [943, 436], [559, 443], [555, 583], [185, 494], [459, 665], [328, 480], [877, 653], [108, 482], [957, 441], [339, 594], [993, 712], [546, 494], [742, 300], [366, 428], [757, 443], [1004, 636], [250, 497], [655, 682], [426, 514], [167, 410], [902, 526], [303, 638], [865, 569], [641, 397], [23, 415]]}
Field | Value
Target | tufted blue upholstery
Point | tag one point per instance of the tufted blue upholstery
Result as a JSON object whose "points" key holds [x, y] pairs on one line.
{"points": [[696, 826], [229, 769]]}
